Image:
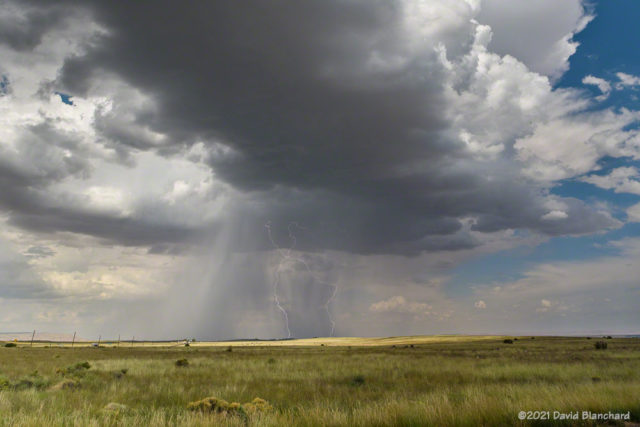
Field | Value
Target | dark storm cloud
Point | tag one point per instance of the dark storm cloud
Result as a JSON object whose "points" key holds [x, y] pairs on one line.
{"points": [[318, 126], [26, 172], [26, 32]]}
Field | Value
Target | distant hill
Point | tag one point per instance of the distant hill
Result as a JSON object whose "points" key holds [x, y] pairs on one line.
{"points": [[40, 336]]}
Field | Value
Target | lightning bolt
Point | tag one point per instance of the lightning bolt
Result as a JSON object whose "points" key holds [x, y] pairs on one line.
{"points": [[285, 255], [326, 307]]}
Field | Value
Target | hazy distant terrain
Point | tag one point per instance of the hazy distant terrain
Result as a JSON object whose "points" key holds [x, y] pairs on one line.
{"points": [[44, 336]]}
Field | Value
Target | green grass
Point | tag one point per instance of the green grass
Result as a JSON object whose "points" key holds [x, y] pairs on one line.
{"points": [[438, 382]]}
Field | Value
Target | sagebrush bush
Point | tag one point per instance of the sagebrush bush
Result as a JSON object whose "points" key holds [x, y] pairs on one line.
{"points": [[182, 362], [358, 380], [24, 383], [508, 341], [77, 369], [11, 344], [221, 406], [257, 405], [601, 345]]}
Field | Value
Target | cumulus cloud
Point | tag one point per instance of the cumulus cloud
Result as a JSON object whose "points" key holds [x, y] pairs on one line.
{"points": [[627, 80], [633, 213], [400, 305], [346, 130], [620, 180], [603, 85], [555, 215], [544, 48], [480, 304]]}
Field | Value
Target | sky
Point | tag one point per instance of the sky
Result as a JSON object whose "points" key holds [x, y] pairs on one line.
{"points": [[276, 169]]}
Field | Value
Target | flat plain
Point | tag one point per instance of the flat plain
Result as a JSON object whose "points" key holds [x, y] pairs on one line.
{"points": [[431, 380]]}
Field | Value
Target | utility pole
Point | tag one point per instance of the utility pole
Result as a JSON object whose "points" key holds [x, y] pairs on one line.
{"points": [[74, 339], [99, 337], [118, 340], [32, 335]]}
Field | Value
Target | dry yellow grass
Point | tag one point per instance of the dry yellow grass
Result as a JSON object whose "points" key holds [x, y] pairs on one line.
{"points": [[409, 381], [304, 342]]}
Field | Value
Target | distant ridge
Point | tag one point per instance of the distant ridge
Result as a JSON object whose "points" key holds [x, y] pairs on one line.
{"points": [[40, 336]]}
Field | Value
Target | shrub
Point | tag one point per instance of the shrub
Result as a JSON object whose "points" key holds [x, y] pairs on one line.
{"points": [[5, 384], [186, 344], [182, 362], [221, 406], [209, 404], [358, 380], [77, 369], [217, 406], [601, 345], [257, 405], [11, 344], [124, 371], [508, 341], [588, 338], [229, 349], [609, 337], [271, 361]]}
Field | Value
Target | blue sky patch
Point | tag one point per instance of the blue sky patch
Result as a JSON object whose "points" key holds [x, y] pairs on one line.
{"points": [[65, 98]]}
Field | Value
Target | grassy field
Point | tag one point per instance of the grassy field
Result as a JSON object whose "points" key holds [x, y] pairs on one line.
{"points": [[446, 380]]}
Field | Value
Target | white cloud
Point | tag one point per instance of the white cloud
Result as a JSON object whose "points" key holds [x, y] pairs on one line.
{"points": [[398, 304], [567, 145], [621, 180], [480, 304], [627, 80], [555, 215], [538, 33], [633, 213], [602, 84]]}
